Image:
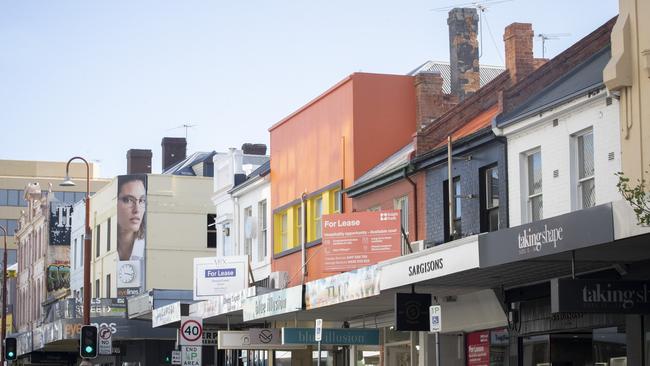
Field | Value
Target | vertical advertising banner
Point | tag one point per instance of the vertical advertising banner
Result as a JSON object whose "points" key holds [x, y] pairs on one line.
{"points": [[131, 233], [478, 348], [359, 239], [58, 251]]}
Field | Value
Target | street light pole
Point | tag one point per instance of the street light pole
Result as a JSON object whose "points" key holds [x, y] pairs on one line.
{"points": [[3, 332], [87, 237]]}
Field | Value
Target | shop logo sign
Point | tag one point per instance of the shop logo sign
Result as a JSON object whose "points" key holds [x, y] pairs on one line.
{"points": [[529, 240], [600, 296]]}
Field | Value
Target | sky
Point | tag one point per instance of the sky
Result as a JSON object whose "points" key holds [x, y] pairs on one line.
{"points": [[97, 78]]}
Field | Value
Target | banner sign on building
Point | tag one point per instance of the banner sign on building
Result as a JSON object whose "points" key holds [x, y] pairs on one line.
{"points": [[478, 348], [430, 263], [358, 284], [358, 239], [412, 312], [331, 336], [60, 222], [131, 233], [600, 296], [273, 303], [575, 230], [217, 276]]}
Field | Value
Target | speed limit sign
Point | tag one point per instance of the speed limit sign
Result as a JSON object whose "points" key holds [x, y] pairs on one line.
{"points": [[191, 331]]}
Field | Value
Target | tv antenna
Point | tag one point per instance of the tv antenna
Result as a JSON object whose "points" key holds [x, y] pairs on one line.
{"points": [[481, 7], [186, 126], [550, 36]]}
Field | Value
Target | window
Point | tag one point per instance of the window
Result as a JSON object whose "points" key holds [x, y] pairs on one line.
{"points": [[261, 239], [336, 201], [108, 286], [248, 231], [284, 231], [98, 236], [534, 184], [457, 202], [298, 219], [212, 231], [12, 197], [97, 289], [402, 204], [10, 224], [108, 235], [586, 184], [76, 254], [489, 198], [317, 217]]}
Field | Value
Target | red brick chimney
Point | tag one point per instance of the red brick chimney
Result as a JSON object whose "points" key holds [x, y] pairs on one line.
{"points": [[518, 39], [430, 101]]}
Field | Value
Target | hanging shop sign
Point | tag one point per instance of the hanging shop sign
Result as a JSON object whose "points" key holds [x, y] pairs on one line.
{"points": [[354, 285], [575, 230], [166, 314], [331, 336], [255, 338], [430, 263], [358, 239], [412, 312], [600, 296], [478, 348], [273, 303], [218, 276]]}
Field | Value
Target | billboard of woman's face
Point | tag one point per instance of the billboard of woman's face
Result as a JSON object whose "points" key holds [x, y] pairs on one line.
{"points": [[131, 229]]}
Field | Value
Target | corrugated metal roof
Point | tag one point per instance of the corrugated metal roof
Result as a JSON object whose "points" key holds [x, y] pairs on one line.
{"points": [[184, 167], [487, 73], [398, 159]]}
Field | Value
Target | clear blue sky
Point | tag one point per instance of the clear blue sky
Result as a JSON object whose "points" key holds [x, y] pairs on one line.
{"points": [[97, 78]]}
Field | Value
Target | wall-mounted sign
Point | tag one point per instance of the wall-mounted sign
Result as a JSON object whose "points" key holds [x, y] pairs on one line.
{"points": [[132, 230], [255, 338], [210, 337], [60, 223], [575, 230], [358, 239], [167, 314], [600, 296], [430, 263], [225, 304], [217, 276], [412, 312], [331, 336], [347, 286], [478, 348], [273, 303]]}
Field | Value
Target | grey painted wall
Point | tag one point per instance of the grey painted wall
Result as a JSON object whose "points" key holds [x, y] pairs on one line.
{"points": [[469, 172]]}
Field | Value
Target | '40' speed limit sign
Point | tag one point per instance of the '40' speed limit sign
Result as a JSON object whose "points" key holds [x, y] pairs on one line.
{"points": [[191, 331]]}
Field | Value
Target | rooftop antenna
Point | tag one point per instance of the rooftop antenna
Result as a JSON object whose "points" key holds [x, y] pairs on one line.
{"points": [[550, 36], [481, 7], [186, 126]]}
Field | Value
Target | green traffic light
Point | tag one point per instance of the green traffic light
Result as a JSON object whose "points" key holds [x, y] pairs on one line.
{"points": [[10, 354], [89, 349]]}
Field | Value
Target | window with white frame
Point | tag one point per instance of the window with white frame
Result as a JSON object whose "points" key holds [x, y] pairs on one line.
{"points": [[586, 187], [534, 201], [248, 231], [262, 224], [318, 215]]}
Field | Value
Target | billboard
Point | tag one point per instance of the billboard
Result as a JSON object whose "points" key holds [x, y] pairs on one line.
{"points": [[217, 276], [359, 239], [131, 233], [58, 251]]}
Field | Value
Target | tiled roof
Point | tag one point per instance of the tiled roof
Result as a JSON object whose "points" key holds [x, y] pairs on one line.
{"points": [[486, 72]]}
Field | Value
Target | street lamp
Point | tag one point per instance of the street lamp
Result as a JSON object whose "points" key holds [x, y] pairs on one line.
{"points": [[3, 332], [67, 182]]}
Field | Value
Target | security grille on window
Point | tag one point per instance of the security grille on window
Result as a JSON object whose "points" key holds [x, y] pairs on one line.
{"points": [[586, 183], [261, 239], [535, 201]]}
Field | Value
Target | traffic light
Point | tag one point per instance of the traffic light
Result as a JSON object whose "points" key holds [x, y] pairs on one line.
{"points": [[10, 349], [168, 359], [88, 341]]}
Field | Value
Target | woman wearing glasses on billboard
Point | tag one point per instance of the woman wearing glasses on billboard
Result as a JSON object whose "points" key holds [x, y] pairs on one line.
{"points": [[131, 226]]}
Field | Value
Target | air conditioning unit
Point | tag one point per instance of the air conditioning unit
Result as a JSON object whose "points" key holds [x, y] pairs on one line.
{"points": [[278, 280], [417, 246]]}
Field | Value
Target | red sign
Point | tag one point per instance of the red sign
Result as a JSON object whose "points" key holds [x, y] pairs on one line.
{"points": [[360, 239], [478, 348]]}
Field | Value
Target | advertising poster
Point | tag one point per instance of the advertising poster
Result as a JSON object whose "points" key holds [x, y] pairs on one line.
{"points": [[131, 233], [347, 286], [58, 251], [360, 239], [218, 276], [478, 349]]}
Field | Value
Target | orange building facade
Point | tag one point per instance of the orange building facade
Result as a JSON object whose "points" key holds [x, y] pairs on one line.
{"points": [[321, 149]]}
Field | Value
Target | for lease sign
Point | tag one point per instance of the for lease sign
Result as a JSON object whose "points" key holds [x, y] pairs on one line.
{"points": [[360, 239]]}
